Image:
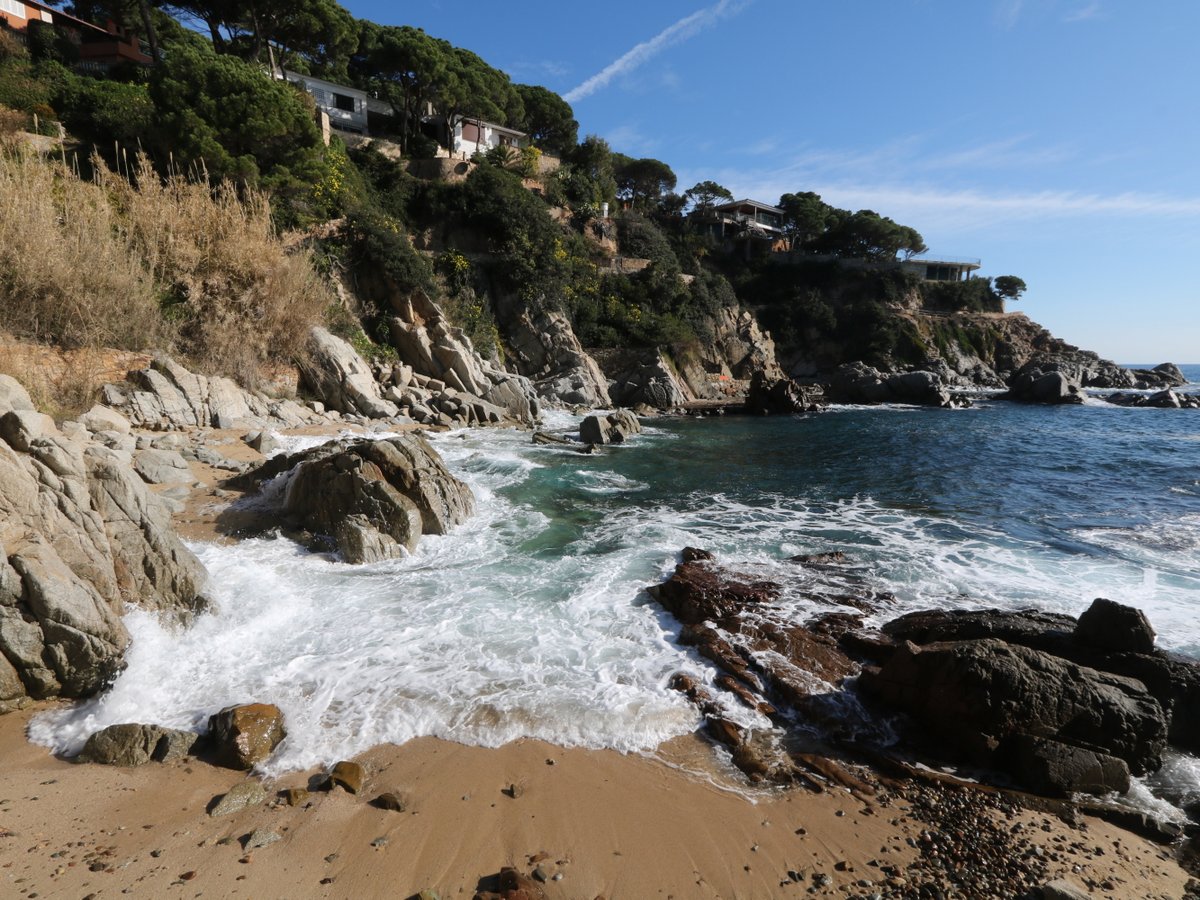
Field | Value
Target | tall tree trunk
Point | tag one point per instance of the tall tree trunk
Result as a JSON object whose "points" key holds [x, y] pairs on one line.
{"points": [[151, 33]]}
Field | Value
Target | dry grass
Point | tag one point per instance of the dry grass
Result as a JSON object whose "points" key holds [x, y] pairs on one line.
{"points": [[146, 263], [64, 383]]}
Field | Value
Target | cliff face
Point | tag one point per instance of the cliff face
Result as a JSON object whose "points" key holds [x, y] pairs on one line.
{"points": [[987, 349]]}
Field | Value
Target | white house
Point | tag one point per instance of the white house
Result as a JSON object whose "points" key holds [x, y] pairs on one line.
{"points": [[943, 268], [346, 106], [469, 136]]}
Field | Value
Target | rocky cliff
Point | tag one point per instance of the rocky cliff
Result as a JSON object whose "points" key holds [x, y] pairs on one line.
{"points": [[80, 536]]}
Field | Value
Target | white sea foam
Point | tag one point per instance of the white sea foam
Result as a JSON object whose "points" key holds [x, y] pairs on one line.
{"points": [[530, 619]]}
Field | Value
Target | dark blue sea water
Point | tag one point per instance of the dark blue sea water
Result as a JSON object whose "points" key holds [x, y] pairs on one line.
{"points": [[532, 619]]}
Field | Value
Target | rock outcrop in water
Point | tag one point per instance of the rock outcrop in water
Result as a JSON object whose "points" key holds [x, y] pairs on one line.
{"points": [[373, 498], [80, 535], [859, 383], [1058, 705], [1034, 383]]}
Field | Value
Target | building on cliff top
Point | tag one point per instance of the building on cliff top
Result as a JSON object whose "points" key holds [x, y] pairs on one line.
{"points": [[941, 268], [100, 47]]}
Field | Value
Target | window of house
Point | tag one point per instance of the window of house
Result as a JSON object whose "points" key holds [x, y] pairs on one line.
{"points": [[470, 132], [13, 8], [342, 102]]}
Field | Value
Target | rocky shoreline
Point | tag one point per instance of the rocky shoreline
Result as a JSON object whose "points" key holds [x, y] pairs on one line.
{"points": [[88, 529]]}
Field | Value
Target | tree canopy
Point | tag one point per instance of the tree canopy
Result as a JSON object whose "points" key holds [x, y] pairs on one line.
{"points": [[548, 120], [1010, 287], [816, 227], [704, 196], [642, 181]]}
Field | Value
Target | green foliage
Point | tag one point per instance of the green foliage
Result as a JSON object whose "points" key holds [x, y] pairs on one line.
{"points": [[20, 86], [816, 227], [1010, 287], [972, 295], [390, 188], [105, 113], [378, 241], [226, 116], [642, 181], [588, 176], [548, 120], [704, 196]]}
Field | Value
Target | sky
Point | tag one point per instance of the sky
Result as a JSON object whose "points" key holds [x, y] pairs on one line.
{"points": [[1056, 140]]}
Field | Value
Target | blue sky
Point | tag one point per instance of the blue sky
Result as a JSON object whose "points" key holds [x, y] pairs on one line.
{"points": [[1057, 140]]}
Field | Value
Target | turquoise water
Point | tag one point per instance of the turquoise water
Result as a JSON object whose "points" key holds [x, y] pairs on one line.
{"points": [[532, 619]]}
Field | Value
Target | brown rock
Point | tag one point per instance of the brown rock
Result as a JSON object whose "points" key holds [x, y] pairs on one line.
{"points": [[391, 801], [348, 776], [295, 796], [244, 736]]}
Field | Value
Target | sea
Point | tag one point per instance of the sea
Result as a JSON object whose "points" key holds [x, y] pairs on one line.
{"points": [[532, 618]]}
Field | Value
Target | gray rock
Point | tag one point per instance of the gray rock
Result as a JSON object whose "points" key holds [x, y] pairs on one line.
{"points": [[13, 395], [1032, 384], [1060, 889], [613, 428], [240, 796], [1058, 769], [376, 498], [973, 693], [342, 379], [260, 837], [136, 745], [162, 467], [545, 349], [101, 418]]}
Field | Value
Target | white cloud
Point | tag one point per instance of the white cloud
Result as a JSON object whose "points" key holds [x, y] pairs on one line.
{"points": [[1092, 10], [1008, 12], [676, 33]]}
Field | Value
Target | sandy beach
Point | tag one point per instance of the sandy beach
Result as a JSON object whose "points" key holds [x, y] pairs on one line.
{"points": [[611, 825], [590, 824]]}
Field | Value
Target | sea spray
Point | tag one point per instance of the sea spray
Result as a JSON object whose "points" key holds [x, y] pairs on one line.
{"points": [[530, 619]]}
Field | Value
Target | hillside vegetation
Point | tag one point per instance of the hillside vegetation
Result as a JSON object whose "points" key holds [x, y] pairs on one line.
{"points": [[167, 226]]}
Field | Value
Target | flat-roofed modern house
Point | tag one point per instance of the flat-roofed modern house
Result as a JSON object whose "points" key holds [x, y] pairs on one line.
{"points": [[943, 268], [751, 218], [469, 136], [346, 106], [99, 46]]}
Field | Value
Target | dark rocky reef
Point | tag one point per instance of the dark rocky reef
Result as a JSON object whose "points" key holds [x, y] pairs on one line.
{"points": [[1051, 703], [859, 383]]}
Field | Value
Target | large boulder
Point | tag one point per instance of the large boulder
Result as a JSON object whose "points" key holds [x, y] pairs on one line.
{"points": [[545, 348], [342, 379], [1112, 626], [976, 695], [431, 347], [612, 428], [1052, 386], [374, 498], [166, 396], [645, 377], [857, 382], [243, 736], [781, 395], [13, 395]]}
